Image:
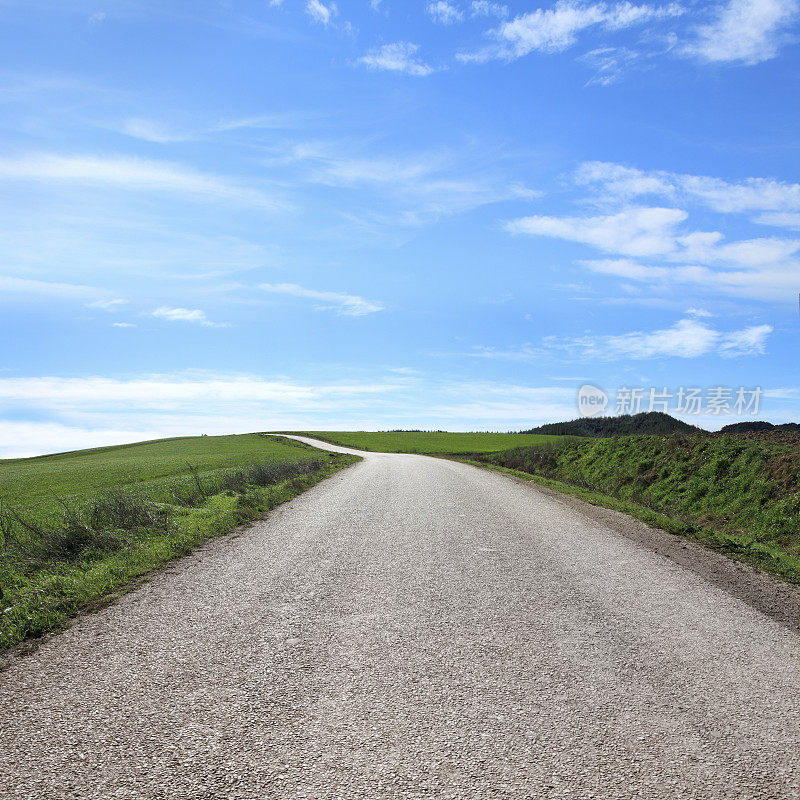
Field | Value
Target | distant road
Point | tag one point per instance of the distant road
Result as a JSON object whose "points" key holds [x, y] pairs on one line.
{"points": [[412, 628]]}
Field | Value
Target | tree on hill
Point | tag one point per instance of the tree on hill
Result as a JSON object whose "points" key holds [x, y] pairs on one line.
{"points": [[652, 423], [746, 427], [758, 425]]}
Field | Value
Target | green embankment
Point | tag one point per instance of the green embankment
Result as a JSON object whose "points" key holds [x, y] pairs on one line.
{"points": [[739, 496], [77, 527], [36, 483], [435, 442]]}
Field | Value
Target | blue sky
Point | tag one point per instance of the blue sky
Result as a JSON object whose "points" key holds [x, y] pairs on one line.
{"points": [[232, 216]]}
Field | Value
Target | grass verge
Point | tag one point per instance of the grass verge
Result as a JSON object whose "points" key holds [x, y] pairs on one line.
{"points": [[87, 548]]}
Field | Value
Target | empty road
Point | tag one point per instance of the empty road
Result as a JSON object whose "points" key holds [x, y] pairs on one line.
{"points": [[412, 628]]}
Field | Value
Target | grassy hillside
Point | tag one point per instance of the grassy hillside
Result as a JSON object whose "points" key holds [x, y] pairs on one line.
{"points": [[37, 484], [76, 527], [734, 494], [651, 423], [435, 442]]}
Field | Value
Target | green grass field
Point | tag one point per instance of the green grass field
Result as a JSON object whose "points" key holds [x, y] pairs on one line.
{"points": [[429, 443], [77, 527], [36, 484]]}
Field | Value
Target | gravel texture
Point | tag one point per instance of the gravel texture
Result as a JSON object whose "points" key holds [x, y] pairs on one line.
{"points": [[412, 628]]}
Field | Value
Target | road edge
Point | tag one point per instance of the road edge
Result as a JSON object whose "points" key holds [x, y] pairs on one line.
{"points": [[766, 592], [30, 644]]}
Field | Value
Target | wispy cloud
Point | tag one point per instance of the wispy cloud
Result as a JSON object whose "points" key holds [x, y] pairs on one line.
{"points": [[744, 31], [555, 29], [346, 304], [445, 13], [175, 391], [68, 291], [397, 57], [780, 219], [610, 63], [484, 8], [634, 231], [687, 338], [133, 174], [619, 182], [108, 305], [193, 315], [150, 130], [777, 283], [319, 12], [414, 188]]}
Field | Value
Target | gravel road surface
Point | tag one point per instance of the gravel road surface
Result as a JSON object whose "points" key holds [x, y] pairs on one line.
{"points": [[412, 628]]}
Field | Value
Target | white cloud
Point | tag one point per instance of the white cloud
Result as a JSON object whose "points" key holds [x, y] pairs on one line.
{"points": [[346, 304], [320, 12], [397, 57], [753, 194], [445, 13], [617, 182], [656, 232], [705, 248], [687, 338], [772, 284], [747, 31], [634, 231], [123, 325], [134, 174], [108, 305], [762, 268], [555, 29], [484, 8], [748, 341], [194, 315], [548, 30], [780, 219]]}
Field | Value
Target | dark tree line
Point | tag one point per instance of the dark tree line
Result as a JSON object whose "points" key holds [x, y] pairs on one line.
{"points": [[655, 423]]}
